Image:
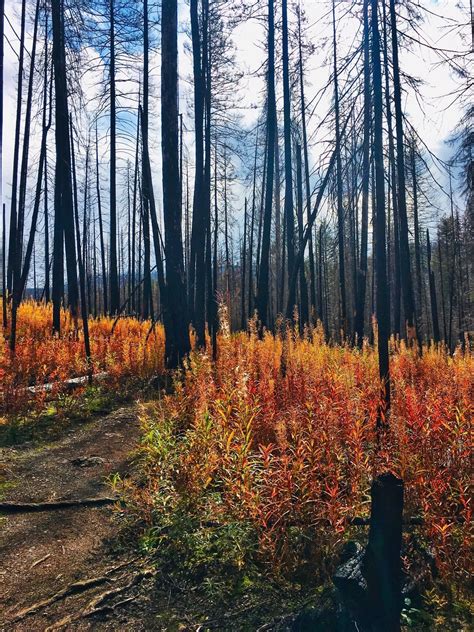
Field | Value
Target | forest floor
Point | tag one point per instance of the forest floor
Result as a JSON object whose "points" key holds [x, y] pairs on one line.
{"points": [[77, 549], [82, 569]]}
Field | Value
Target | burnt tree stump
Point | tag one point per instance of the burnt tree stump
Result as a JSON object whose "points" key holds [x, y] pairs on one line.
{"points": [[369, 582]]}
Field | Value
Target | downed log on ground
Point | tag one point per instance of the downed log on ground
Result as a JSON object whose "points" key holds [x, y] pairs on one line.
{"points": [[15, 508]]}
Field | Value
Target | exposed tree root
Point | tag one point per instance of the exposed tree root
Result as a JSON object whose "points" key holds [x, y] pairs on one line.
{"points": [[72, 589], [98, 605]]}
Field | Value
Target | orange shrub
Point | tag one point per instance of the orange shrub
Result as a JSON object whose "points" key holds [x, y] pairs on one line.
{"points": [[293, 452], [130, 352]]}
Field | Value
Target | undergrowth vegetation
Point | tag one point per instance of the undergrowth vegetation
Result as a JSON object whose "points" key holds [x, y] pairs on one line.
{"points": [[123, 351], [260, 461], [253, 466]]}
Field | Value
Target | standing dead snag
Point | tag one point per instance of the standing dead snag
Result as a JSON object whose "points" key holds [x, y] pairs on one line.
{"points": [[376, 575], [175, 309], [381, 564]]}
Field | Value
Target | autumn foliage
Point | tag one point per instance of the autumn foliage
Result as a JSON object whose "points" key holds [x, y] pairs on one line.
{"points": [[278, 434], [291, 450], [132, 351]]}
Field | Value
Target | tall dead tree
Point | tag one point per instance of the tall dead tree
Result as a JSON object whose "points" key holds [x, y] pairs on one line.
{"points": [[63, 202], [198, 233], [339, 190], [264, 266], [433, 297], [312, 292], [175, 311], [16, 153], [101, 226], [113, 274], [362, 270], [289, 213], [304, 307], [405, 265]]}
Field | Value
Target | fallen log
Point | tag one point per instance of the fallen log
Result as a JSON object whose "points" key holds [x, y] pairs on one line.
{"points": [[70, 384], [16, 508]]}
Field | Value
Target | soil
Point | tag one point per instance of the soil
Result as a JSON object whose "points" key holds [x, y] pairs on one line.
{"points": [[46, 552]]}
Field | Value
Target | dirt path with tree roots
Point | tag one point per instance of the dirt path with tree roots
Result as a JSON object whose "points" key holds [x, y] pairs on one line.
{"points": [[67, 569]]}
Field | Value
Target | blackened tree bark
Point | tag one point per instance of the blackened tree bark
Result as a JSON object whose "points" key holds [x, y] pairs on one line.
{"points": [[304, 308], [433, 297], [175, 317], [382, 561], [101, 226], [382, 308], [47, 288], [441, 287], [280, 287], [22, 277], [133, 249], [18, 254], [211, 286], [405, 265], [148, 310], [339, 192], [113, 274], [416, 229], [312, 290], [289, 213], [264, 266], [80, 261], [243, 273], [362, 272], [393, 184], [198, 233], [16, 152], [252, 232], [63, 203]]}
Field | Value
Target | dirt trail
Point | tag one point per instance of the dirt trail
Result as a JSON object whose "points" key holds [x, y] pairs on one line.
{"points": [[43, 553]]}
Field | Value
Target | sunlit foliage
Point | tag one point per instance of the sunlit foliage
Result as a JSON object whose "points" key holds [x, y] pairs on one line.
{"points": [[281, 435], [133, 350]]}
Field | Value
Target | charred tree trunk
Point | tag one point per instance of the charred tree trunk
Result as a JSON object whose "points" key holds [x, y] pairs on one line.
{"points": [[113, 275], [101, 227], [339, 192], [416, 228], [147, 304], [243, 272], [289, 213], [252, 233], [63, 203], [304, 310], [175, 312], [280, 287], [80, 261], [405, 265], [198, 233], [312, 291], [393, 182], [362, 276], [382, 310], [16, 152], [433, 298], [264, 268]]}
